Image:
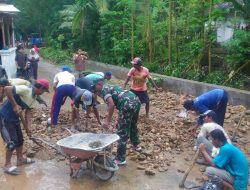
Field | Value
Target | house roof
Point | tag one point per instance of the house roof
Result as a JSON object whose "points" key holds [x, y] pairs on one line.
{"points": [[6, 8]]}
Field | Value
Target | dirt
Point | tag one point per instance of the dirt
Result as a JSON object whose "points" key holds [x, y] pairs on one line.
{"points": [[166, 146]]}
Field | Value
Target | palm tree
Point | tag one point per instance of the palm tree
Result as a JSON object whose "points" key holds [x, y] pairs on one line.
{"points": [[76, 15], [67, 15], [83, 6]]}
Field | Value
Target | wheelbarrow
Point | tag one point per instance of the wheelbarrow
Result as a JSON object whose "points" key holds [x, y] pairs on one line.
{"points": [[94, 150]]}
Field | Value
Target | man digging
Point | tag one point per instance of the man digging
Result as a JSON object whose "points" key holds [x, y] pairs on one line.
{"points": [[19, 98]]}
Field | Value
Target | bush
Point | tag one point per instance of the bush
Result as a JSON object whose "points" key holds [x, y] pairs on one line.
{"points": [[57, 56]]}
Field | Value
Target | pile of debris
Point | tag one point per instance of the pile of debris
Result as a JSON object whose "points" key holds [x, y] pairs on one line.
{"points": [[163, 135]]}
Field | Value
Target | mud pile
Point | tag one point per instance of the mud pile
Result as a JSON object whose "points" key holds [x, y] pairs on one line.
{"points": [[163, 135]]}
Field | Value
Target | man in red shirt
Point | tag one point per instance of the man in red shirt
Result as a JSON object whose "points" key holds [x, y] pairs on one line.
{"points": [[139, 76]]}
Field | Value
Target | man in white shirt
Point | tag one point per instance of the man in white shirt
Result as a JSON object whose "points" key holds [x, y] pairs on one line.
{"points": [[209, 125], [64, 86]]}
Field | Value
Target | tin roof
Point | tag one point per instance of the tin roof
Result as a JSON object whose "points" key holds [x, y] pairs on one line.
{"points": [[6, 8]]}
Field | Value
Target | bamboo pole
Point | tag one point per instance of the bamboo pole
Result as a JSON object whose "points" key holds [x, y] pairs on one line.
{"points": [[132, 28], [241, 67], [170, 32]]}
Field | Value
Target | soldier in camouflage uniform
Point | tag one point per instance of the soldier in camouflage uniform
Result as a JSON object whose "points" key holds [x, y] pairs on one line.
{"points": [[128, 105]]}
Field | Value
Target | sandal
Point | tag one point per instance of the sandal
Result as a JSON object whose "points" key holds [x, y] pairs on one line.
{"points": [[12, 170], [25, 161]]}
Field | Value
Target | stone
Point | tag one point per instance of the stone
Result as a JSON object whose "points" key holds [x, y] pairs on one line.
{"points": [[60, 158], [242, 130], [31, 153], [147, 152], [180, 170], [144, 162], [140, 167], [141, 157], [202, 169], [247, 112], [161, 169], [133, 158], [227, 115], [155, 166], [149, 171]]}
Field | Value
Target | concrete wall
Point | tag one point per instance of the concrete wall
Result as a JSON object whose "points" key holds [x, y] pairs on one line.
{"points": [[8, 61], [178, 85]]}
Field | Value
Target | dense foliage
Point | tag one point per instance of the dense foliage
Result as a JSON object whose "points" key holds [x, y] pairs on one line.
{"points": [[177, 38]]}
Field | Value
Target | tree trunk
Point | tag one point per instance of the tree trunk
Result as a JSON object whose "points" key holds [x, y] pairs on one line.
{"points": [[170, 32], [176, 36], [132, 28], [148, 29], [209, 30]]}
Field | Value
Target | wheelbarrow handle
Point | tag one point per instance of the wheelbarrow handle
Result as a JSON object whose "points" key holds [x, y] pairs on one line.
{"points": [[47, 143]]}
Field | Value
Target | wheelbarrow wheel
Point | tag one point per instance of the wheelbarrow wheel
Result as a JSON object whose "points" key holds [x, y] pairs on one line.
{"points": [[101, 173]]}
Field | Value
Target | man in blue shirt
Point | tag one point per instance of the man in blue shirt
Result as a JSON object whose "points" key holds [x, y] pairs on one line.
{"points": [[230, 166], [99, 75], [215, 100]]}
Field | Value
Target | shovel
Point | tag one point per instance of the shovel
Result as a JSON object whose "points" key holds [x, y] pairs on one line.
{"points": [[24, 124], [181, 184], [191, 185], [239, 124], [36, 139]]}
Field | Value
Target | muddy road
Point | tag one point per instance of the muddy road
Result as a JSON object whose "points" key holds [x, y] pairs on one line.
{"points": [[164, 138]]}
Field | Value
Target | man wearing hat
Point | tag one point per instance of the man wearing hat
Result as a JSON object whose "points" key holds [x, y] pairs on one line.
{"points": [[20, 98], [215, 100], [87, 100], [204, 135], [64, 86], [139, 75], [17, 82]]}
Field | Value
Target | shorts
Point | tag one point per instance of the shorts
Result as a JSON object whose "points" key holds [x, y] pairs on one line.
{"points": [[11, 134], [142, 95]]}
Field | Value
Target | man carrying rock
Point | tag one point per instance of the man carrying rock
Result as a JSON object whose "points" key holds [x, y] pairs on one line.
{"points": [[128, 105], [215, 100], [19, 98], [86, 99], [230, 167]]}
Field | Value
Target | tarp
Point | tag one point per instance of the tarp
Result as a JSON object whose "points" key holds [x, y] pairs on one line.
{"points": [[5, 8]]}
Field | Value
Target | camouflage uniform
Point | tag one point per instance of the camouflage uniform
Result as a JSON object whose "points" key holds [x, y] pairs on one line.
{"points": [[128, 105]]}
